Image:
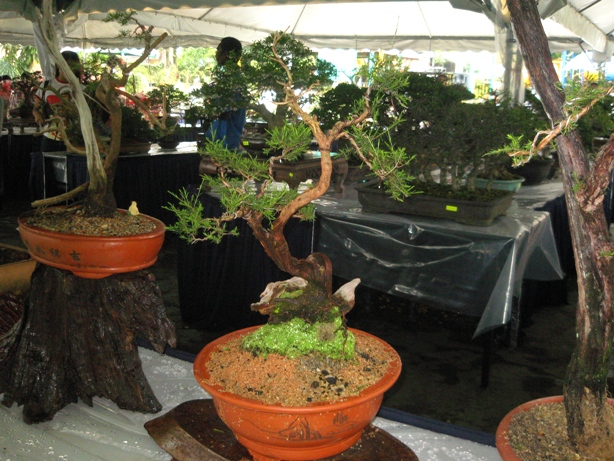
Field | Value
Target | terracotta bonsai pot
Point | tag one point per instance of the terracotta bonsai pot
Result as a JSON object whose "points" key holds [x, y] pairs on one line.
{"points": [[504, 447], [15, 276], [273, 432], [502, 441], [89, 256]]}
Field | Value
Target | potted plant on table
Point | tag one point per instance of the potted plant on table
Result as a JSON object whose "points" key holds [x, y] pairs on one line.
{"points": [[161, 102], [581, 424], [449, 137], [337, 104], [306, 330], [24, 89], [88, 299], [255, 85]]}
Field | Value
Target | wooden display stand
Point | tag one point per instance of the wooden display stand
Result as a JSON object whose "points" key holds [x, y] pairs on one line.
{"points": [[193, 430], [79, 341]]}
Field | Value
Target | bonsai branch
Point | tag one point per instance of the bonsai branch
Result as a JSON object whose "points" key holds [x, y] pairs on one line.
{"points": [[62, 197], [61, 127]]}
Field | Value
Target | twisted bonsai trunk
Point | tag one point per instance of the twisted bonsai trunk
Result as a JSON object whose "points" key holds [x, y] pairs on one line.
{"points": [[586, 380], [100, 200]]}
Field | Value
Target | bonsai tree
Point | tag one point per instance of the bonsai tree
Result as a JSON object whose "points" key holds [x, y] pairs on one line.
{"points": [[161, 101], [26, 85], [442, 130], [267, 211], [244, 85], [99, 199], [584, 180], [338, 104]]}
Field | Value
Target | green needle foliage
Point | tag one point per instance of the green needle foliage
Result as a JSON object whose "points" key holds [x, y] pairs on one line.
{"points": [[246, 189]]}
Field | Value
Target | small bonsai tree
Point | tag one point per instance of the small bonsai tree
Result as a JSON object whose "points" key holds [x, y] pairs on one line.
{"points": [[161, 101], [308, 295], [26, 85], [444, 131]]}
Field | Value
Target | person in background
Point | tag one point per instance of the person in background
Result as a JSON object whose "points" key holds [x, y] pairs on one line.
{"points": [[229, 126], [51, 95]]}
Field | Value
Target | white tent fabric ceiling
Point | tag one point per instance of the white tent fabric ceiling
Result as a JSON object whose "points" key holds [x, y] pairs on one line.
{"points": [[418, 25]]}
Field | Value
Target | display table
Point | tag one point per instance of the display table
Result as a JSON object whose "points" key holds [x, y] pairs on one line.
{"points": [[105, 432], [146, 178], [15, 150], [475, 271]]}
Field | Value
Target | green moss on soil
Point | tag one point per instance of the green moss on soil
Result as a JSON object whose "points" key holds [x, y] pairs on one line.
{"points": [[296, 338]]}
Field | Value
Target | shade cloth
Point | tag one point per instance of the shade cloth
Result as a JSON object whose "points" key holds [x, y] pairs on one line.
{"points": [[457, 25]]}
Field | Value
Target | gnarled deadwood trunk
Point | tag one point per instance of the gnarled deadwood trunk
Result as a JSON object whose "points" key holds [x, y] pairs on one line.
{"points": [[586, 380], [79, 341]]}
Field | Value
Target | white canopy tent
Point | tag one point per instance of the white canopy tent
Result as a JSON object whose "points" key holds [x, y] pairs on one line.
{"points": [[437, 25]]}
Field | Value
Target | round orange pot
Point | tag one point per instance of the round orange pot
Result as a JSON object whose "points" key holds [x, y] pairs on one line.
{"points": [[273, 432], [90, 256], [502, 440]]}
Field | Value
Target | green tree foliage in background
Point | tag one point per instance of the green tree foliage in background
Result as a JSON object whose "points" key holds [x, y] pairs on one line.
{"points": [[195, 63], [17, 59]]}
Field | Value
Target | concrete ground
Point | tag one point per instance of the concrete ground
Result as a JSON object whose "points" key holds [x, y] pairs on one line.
{"points": [[442, 365]]}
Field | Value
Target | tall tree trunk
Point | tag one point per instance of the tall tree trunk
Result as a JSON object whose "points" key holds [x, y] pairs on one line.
{"points": [[586, 380]]}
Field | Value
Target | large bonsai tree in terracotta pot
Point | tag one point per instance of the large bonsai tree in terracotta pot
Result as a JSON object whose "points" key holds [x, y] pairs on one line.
{"points": [[589, 418], [305, 317], [102, 157], [267, 211], [83, 322]]}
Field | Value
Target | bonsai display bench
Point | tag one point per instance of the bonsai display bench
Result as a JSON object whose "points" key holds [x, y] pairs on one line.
{"points": [[309, 167], [79, 341], [193, 430]]}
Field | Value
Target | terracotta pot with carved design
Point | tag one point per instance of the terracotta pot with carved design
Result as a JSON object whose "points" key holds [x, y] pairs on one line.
{"points": [[274, 432], [91, 256]]}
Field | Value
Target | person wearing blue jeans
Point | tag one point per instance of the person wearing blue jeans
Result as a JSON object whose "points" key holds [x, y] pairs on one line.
{"points": [[228, 127]]}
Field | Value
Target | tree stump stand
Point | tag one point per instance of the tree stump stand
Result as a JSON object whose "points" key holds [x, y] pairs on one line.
{"points": [[79, 341]]}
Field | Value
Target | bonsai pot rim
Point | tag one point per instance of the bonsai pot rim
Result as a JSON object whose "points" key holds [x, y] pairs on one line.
{"points": [[266, 440], [92, 257], [512, 185], [172, 144], [502, 441]]}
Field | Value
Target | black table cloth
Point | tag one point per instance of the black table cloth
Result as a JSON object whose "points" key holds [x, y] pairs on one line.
{"points": [[218, 282], [15, 150], [146, 178]]}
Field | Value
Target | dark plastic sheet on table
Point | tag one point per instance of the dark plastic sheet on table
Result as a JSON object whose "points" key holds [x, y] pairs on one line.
{"points": [[474, 271]]}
